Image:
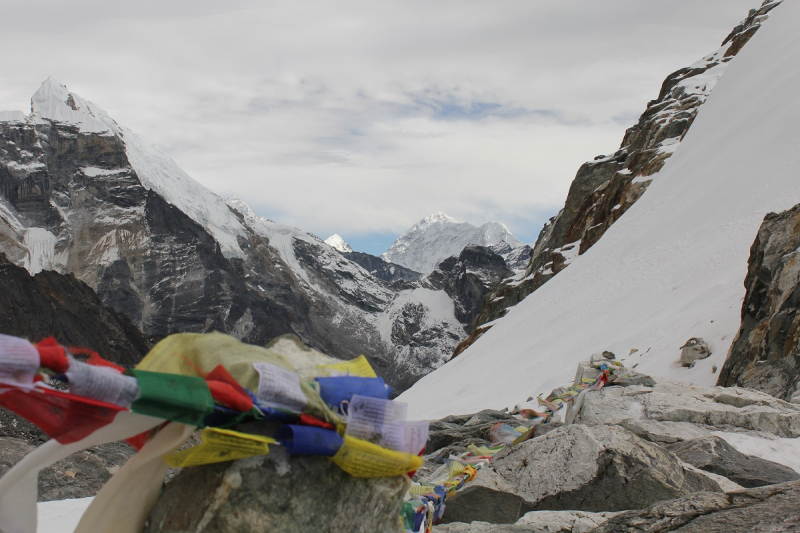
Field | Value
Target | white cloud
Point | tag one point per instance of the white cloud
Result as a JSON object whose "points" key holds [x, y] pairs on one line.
{"points": [[354, 117]]}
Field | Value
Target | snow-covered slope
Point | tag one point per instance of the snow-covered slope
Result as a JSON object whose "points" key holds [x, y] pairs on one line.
{"points": [[338, 243], [670, 268], [439, 236]]}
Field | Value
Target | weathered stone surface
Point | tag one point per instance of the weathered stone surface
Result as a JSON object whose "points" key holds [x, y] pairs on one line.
{"points": [[276, 493], [604, 189], [713, 454], [693, 350], [773, 509], [535, 522], [765, 354], [574, 467], [78, 476], [720, 408]]}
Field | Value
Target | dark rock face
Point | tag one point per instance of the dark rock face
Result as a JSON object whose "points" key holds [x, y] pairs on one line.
{"points": [[775, 509], [604, 189], [766, 352], [279, 494], [381, 269], [715, 455], [48, 304], [468, 278]]}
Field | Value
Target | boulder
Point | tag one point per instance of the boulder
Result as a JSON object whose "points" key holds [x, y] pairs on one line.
{"points": [[713, 454], [575, 467], [719, 408], [694, 349], [535, 522], [775, 509], [278, 494]]}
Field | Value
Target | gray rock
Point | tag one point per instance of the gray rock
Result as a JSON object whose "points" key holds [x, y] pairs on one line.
{"points": [[535, 522], [713, 454], [276, 493], [575, 467], [665, 432], [694, 349], [773, 509], [720, 408]]}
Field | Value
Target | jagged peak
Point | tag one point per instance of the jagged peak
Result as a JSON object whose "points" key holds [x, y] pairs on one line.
{"points": [[437, 217], [53, 102], [337, 242]]}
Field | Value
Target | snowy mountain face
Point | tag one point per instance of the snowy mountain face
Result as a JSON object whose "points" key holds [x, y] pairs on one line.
{"points": [[672, 266], [337, 243], [605, 188], [81, 194], [439, 236]]}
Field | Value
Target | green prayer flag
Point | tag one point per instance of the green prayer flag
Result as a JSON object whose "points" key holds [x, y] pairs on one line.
{"points": [[173, 397]]}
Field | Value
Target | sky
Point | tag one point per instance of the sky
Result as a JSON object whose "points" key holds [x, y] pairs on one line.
{"points": [[360, 117]]}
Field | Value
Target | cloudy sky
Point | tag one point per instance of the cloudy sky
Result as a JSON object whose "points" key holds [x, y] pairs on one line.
{"points": [[362, 117]]}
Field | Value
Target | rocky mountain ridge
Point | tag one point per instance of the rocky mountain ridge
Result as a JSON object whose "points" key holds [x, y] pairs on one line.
{"points": [[605, 188]]}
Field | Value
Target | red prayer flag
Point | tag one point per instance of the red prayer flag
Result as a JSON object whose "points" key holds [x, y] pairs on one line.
{"points": [[64, 417]]}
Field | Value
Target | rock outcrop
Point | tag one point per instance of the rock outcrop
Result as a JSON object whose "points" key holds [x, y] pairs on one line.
{"points": [[278, 494], [52, 304], [382, 269], [775, 508], [576, 467], [765, 354], [605, 188], [468, 278], [715, 455]]}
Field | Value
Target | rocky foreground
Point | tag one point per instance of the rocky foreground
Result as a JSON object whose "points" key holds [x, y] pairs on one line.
{"points": [[636, 459]]}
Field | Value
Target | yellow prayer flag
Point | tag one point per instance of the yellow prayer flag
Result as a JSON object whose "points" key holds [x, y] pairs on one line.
{"points": [[355, 367], [360, 458], [220, 445]]}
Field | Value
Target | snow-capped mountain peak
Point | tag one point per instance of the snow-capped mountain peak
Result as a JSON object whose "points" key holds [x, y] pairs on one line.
{"points": [[338, 243], [54, 102], [440, 236], [437, 217]]}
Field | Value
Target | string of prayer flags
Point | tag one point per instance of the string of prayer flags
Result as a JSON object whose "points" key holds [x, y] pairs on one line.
{"points": [[360, 458], [309, 440], [355, 367], [20, 361], [185, 399], [220, 445], [335, 390]]}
